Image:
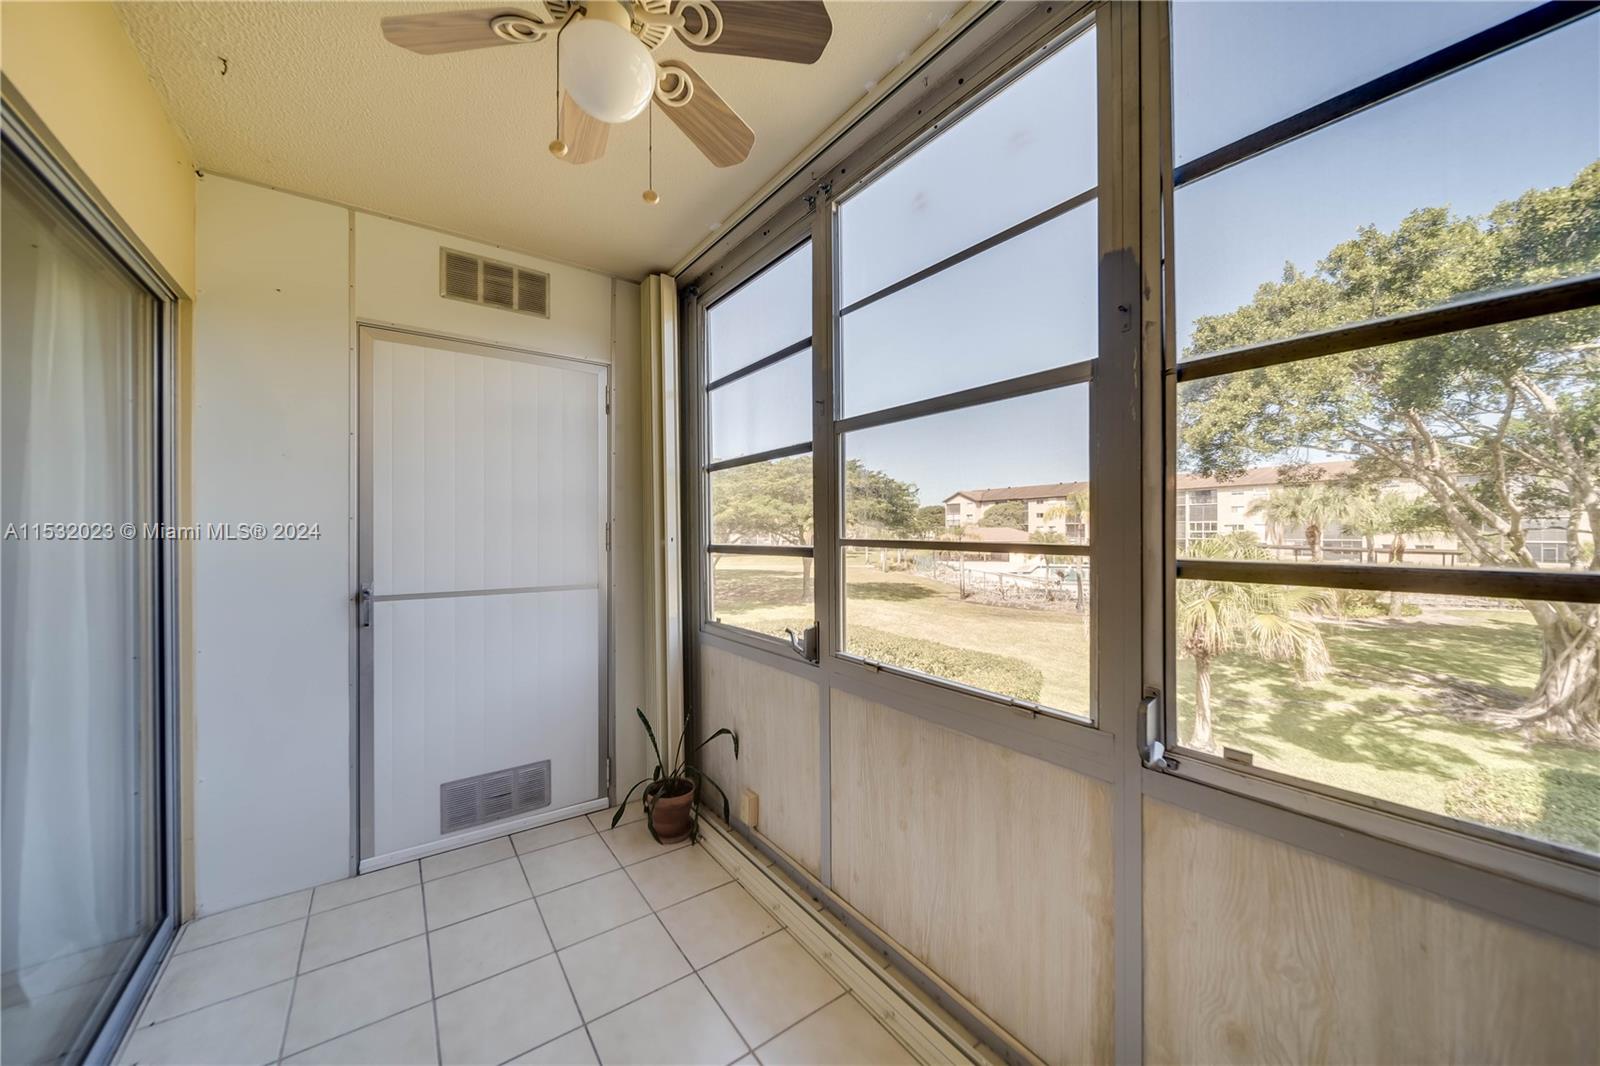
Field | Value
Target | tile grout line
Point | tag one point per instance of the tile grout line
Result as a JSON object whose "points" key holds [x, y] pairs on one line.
{"points": [[433, 993], [552, 1040], [582, 1022], [798, 1021], [299, 956]]}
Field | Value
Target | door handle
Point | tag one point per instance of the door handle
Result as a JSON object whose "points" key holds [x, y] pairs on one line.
{"points": [[364, 607]]}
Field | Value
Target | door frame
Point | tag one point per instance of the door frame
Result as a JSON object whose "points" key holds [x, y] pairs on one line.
{"points": [[362, 783], [29, 142]]}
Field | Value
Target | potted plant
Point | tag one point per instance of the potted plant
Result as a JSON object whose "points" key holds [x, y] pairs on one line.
{"points": [[671, 813]]}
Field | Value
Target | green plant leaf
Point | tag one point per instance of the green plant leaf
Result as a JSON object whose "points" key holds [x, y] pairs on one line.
{"points": [[724, 731], [706, 780], [615, 818], [651, 733]]}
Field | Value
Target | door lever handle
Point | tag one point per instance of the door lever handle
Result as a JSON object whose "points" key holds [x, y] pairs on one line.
{"points": [[364, 606]]}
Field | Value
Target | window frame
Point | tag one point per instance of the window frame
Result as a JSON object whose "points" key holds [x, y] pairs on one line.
{"points": [[28, 145], [1539, 862], [1031, 36]]}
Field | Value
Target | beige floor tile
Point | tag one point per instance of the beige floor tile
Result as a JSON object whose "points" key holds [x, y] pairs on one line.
{"points": [[573, 1049], [565, 864], [206, 975], [341, 998], [245, 1030], [479, 947], [841, 1034], [545, 836], [601, 820], [676, 876], [354, 889], [768, 986], [407, 1039], [748, 1060], [465, 895], [467, 858], [493, 1020], [717, 923], [633, 843], [579, 911], [225, 925], [615, 967], [679, 1024], [345, 932]]}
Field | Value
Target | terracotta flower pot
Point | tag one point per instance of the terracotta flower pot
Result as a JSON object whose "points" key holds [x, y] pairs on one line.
{"points": [[668, 806]]}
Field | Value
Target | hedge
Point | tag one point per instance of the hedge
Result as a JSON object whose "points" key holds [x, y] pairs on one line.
{"points": [[980, 669]]}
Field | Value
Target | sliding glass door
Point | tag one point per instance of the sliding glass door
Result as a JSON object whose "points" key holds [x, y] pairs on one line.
{"points": [[83, 840]]}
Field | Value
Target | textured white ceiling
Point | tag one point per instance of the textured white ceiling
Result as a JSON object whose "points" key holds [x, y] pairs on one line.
{"points": [[315, 101]]}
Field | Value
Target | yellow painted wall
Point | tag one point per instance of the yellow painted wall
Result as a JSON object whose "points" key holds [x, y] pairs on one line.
{"points": [[75, 68]]}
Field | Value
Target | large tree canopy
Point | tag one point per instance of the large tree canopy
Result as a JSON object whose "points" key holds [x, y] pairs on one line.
{"points": [[1499, 425]]}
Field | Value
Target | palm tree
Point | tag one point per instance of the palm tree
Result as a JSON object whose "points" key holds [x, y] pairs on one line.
{"points": [[1373, 515], [1313, 507], [1271, 622], [1075, 509]]}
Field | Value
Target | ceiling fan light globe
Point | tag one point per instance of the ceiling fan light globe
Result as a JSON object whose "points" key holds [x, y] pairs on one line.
{"points": [[608, 70]]}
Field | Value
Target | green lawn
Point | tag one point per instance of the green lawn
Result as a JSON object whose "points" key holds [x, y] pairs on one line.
{"points": [[1392, 720]]}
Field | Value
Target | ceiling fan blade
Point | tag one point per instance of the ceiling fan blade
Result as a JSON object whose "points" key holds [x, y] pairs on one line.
{"points": [[794, 31], [709, 122], [584, 134], [453, 31]]}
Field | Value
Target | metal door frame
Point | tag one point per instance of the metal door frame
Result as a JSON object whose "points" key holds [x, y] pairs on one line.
{"points": [[362, 703]]}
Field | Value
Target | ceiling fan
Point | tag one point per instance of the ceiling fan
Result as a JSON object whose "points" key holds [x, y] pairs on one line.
{"points": [[606, 73]]}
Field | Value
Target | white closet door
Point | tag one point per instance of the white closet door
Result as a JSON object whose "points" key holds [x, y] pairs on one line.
{"points": [[484, 500]]}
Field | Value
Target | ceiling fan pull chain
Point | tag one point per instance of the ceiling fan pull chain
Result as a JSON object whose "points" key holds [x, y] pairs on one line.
{"points": [[558, 147], [650, 195]]}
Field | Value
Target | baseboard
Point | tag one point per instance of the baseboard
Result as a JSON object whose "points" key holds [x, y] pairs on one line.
{"points": [[482, 833], [917, 1018]]}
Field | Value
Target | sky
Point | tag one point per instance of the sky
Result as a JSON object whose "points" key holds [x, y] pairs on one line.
{"points": [[1528, 118]]}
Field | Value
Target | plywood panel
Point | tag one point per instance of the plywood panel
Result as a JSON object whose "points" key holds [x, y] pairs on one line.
{"points": [[992, 867], [776, 716], [1256, 951]]}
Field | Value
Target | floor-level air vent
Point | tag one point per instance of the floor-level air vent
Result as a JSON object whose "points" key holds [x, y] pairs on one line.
{"points": [[493, 796], [463, 276]]}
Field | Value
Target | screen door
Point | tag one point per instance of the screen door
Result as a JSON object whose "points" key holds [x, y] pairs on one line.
{"points": [[482, 605]]}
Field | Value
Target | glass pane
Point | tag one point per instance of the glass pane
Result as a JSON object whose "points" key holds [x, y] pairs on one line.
{"points": [[1430, 701], [1026, 305], [762, 593], [1334, 458], [1237, 67], [762, 503], [1006, 471], [1478, 182], [1031, 146], [1012, 624], [768, 409], [79, 840], [765, 315]]}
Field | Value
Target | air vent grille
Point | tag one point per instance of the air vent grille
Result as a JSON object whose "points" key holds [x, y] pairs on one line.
{"points": [[493, 796], [533, 292], [460, 276], [463, 276]]}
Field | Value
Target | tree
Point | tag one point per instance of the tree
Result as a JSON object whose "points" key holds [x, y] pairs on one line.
{"points": [[1272, 622], [1012, 514], [1075, 509], [765, 503], [875, 503], [1314, 507], [929, 522], [1499, 425]]}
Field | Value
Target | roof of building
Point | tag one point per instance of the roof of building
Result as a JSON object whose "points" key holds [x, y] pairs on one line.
{"points": [[1266, 475], [1055, 490], [994, 534]]}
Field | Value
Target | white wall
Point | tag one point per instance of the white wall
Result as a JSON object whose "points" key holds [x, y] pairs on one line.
{"points": [[282, 282]]}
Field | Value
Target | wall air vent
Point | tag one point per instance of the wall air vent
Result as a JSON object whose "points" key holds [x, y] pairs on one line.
{"points": [[463, 276], [493, 796]]}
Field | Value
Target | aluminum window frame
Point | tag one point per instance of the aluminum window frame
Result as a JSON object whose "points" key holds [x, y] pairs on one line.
{"points": [[776, 244], [28, 143], [1545, 864]]}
